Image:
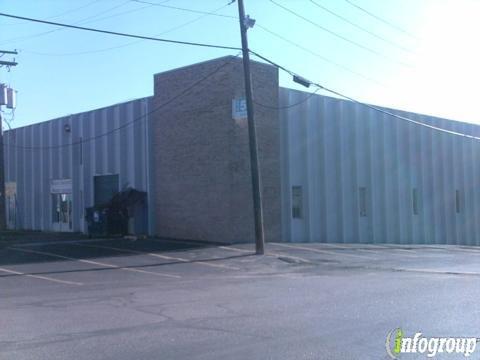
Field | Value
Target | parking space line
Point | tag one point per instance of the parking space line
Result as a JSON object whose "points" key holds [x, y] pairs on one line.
{"points": [[236, 249], [335, 245], [436, 271], [60, 242], [47, 278], [464, 250], [165, 257], [95, 263], [321, 251], [267, 253], [191, 242]]}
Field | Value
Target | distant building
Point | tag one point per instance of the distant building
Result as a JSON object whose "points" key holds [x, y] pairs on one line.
{"points": [[332, 170]]}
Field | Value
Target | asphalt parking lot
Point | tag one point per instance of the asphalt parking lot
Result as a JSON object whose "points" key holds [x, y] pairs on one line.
{"points": [[167, 299]]}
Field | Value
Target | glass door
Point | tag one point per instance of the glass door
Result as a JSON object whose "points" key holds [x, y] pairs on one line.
{"points": [[62, 212]]}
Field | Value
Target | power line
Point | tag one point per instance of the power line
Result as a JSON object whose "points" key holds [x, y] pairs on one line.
{"points": [[214, 13], [62, 13], [89, 19], [183, 9], [283, 38], [376, 108], [333, 33], [268, 31], [371, 33], [305, 99], [81, 21], [131, 42], [74, 9], [323, 58], [389, 23], [108, 32], [161, 106]]}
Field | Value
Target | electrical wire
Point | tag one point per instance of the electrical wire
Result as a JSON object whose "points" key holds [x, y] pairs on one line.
{"points": [[81, 21], [161, 106], [264, 28], [183, 9], [389, 23], [321, 57], [131, 42], [116, 33], [73, 10], [305, 99], [372, 107], [62, 13], [371, 33], [214, 13], [344, 38]]}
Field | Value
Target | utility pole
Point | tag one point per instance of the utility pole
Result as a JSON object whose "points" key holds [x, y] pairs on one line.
{"points": [[9, 101], [245, 23]]}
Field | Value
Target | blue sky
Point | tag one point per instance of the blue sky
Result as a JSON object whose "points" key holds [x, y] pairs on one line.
{"points": [[432, 70]]}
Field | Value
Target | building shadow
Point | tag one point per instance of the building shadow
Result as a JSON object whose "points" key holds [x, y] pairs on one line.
{"points": [[41, 248]]}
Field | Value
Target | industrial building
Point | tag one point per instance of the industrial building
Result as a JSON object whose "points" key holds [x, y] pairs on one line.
{"points": [[331, 170]]}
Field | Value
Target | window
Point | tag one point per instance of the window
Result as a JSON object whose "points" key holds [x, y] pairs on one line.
{"points": [[458, 205], [415, 201], [297, 202], [362, 201]]}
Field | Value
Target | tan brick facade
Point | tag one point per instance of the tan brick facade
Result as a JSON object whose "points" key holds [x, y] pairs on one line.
{"points": [[201, 164]]}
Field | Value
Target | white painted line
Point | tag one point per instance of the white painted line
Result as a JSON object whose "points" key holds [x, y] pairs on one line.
{"points": [[41, 277], [236, 249], [192, 242], [464, 250], [268, 253], [287, 256], [346, 245], [165, 257], [323, 251], [43, 243], [375, 252], [95, 263], [434, 271], [333, 245]]}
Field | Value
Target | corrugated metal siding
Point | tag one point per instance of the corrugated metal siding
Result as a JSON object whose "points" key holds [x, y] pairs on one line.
{"points": [[124, 152], [333, 147]]}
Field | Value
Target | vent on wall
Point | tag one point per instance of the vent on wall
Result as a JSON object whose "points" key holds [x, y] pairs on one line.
{"points": [[458, 204], [297, 202], [415, 201]]}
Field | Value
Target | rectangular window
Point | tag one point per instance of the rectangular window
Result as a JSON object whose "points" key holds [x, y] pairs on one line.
{"points": [[297, 202], [415, 201], [362, 201], [458, 205]]}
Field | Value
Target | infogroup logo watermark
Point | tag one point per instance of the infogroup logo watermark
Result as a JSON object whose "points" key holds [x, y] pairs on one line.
{"points": [[397, 344]]}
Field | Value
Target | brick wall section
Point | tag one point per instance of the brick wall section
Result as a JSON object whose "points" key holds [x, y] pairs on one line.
{"points": [[201, 157]]}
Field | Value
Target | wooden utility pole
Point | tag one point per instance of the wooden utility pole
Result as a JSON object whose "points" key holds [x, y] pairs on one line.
{"points": [[245, 23], [3, 219]]}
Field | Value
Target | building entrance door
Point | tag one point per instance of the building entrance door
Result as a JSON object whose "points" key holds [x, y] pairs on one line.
{"points": [[61, 192], [62, 212]]}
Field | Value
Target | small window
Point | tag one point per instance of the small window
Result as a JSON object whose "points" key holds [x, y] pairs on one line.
{"points": [[297, 202], [362, 201], [458, 204], [415, 201]]}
